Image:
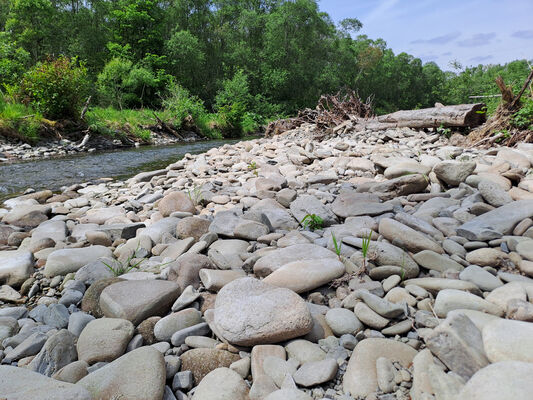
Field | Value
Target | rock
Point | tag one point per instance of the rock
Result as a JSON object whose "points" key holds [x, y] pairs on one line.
{"points": [[305, 275], [23, 384], [176, 249], [406, 237], [309, 205], [175, 201], [506, 340], [304, 351], [498, 222], [64, 261], [385, 373], [167, 326], [458, 344], [192, 227], [406, 168], [58, 351], [91, 298], [493, 193], [15, 267], [249, 312], [435, 285], [360, 378], [343, 321], [278, 258], [27, 216], [95, 271], [288, 394], [30, 346], [226, 253], [104, 339], [451, 299], [316, 372], [481, 278], [263, 384], [518, 309], [250, 230], [277, 368], [146, 330], [72, 372], [8, 327], [185, 270], [454, 172], [151, 298], [486, 257], [101, 215], [381, 306], [223, 384], [402, 186], [137, 375], [369, 317], [506, 380], [8, 294], [422, 363], [214, 280], [202, 361], [437, 262], [351, 204]]}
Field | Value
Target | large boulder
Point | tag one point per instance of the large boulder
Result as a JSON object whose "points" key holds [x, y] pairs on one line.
{"points": [[454, 172], [137, 375], [249, 312], [64, 261], [138, 300]]}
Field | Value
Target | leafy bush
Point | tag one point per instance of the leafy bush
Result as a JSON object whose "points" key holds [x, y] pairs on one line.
{"points": [[523, 118], [180, 104], [13, 61], [232, 103], [57, 88], [123, 84]]}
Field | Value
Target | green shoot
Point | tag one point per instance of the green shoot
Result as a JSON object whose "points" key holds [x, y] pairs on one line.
{"points": [[118, 267], [364, 249], [338, 245], [195, 195], [253, 167], [312, 222]]}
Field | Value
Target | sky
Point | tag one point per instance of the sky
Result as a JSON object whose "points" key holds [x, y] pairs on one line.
{"points": [[470, 31]]}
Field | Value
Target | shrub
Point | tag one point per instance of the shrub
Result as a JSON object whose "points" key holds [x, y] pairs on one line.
{"points": [[19, 119], [57, 88], [180, 104], [523, 118], [232, 102], [112, 122]]}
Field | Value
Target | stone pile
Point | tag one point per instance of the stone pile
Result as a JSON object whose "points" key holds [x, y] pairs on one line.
{"points": [[378, 265]]}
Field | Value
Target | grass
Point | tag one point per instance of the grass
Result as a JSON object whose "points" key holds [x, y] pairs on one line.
{"points": [[118, 267], [195, 195], [365, 246], [337, 245], [253, 167], [19, 120], [111, 122], [312, 222]]}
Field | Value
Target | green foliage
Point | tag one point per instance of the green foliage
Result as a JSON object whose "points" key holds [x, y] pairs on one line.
{"points": [[365, 246], [312, 222], [19, 119], [195, 194], [253, 167], [13, 61], [112, 122], [57, 88], [181, 105], [447, 132], [337, 245], [523, 118], [124, 84]]}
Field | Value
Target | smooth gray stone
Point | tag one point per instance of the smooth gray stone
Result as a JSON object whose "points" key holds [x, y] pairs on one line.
{"points": [[29, 347], [58, 351], [78, 321], [14, 312], [178, 338], [496, 223]]}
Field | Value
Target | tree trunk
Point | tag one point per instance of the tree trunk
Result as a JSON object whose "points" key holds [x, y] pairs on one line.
{"points": [[462, 115]]}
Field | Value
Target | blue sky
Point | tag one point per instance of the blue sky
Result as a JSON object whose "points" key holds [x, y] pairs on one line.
{"points": [[470, 31]]}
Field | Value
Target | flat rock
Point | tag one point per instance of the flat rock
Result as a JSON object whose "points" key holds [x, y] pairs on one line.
{"points": [[222, 384], [137, 375], [249, 312], [176, 201], [104, 339], [451, 299], [23, 384], [309, 205], [498, 222], [278, 258], [64, 261], [15, 267], [507, 340], [316, 372], [407, 238], [152, 297], [302, 276], [351, 204], [360, 378], [202, 361], [506, 380], [437, 262], [454, 172]]}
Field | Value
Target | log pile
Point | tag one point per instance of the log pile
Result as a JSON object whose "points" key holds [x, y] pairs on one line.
{"points": [[350, 111]]}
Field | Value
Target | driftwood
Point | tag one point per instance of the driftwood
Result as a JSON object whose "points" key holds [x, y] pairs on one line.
{"points": [[462, 115]]}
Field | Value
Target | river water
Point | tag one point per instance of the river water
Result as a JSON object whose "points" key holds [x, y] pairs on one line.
{"points": [[54, 173]]}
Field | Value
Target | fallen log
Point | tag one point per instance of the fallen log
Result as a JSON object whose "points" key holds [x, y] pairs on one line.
{"points": [[461, 115]]}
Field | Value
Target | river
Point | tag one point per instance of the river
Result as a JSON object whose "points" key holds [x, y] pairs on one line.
{"points": [[53, 173]]}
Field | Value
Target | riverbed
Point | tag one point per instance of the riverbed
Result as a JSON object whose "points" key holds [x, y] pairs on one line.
{"points": [[54, 173]]}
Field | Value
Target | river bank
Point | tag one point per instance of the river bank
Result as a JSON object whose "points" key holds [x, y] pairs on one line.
{"points": [[311, 265]]}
